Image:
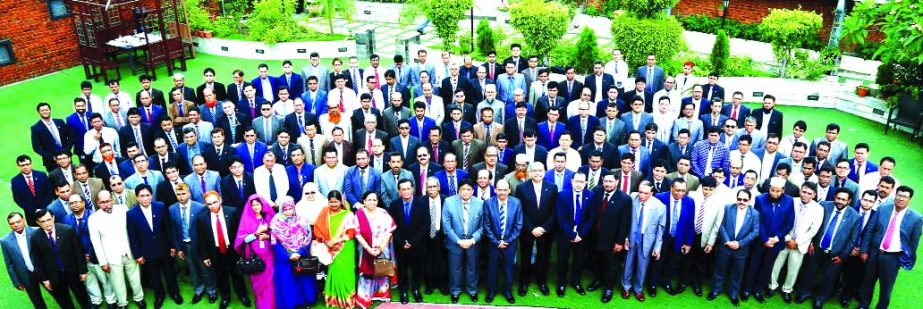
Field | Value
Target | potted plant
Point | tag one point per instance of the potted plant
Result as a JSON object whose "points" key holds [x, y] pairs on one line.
{"points": [[862, 90], [207, 34]]}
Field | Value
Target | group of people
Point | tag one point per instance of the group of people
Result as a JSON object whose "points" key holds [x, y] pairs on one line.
{"points": [[439, 173]]}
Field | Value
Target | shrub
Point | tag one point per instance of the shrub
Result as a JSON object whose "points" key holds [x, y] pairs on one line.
{"points": [[464, 44], [271, 22], [802, 66], [563, 53], [591, 10], [586, 51], [541, 23], [608, 8], [198, 17], [646, 9], [720, 52], [485, 40], [444, 15], [788, 29], [661, 36]]}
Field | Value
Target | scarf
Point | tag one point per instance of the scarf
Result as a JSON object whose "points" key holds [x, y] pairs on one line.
{"points": [[367, 262], [289, 231]]}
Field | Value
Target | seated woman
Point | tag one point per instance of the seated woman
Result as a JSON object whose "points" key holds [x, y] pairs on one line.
{"points": [[374, 234], [292, 242], [253, 238], [335, 228]]}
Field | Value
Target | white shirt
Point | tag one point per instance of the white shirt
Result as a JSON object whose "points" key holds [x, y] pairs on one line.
{"points": [[644, 219], [22, 241], [350, 100], [676, 99], [283, 108], [279, 177], [125, 101], [618, 70], [766, 166], [741, 216], [750, 160], [148, 215], [664, 123], [870, 182], [224, 227], [764, 127], [573, 161], [785, 146], [91, 145]]}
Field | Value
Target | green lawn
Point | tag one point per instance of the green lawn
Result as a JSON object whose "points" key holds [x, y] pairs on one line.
{"points": [[59, 89]]}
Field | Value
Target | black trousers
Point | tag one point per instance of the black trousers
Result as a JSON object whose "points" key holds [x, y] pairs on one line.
{"points": [[820, 265], [853, 275], [34, 291], [577, 254], [659, 271], [612, 269], [759, 268], [881, 267], [153, 269], [436, 263], [225, 272], [539, 269], [69, 281], [693, 265], [409, 269]]}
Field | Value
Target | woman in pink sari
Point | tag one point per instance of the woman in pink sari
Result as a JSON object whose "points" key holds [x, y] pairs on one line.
{"points": [[253, 237], [374, 235]]}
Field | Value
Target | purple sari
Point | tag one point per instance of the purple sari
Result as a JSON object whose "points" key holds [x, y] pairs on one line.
{"points": [[263, 287]]}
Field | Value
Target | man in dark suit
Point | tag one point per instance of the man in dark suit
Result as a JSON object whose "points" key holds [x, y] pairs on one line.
{"points": [[612, 213], [32, 189], [575, 216], [79, 124], [412, 217], [238, 185], [296, 121], [658, 179], [737, 244], [283, 148], [768, 110], [854, 268], [159, 159], [217, 231], [60, 264], [231, 121], [21, 265], [548, 101], [156, 95], [641, 91], [150, 246], [167, 188], [470, 151], [678, 238], [598, 82], [609, 152], [423, 169], [890, 247], [218, 89], [179, 82], [777, 216], [249, 105], [49, 135], [293, 81], [538, 198], [218, 154], [362, 113], [137, 132], [452, 83], [711, 90], [539, 153], [266, 86], [392, 85], [479, 86], [502, 224], [235, 90], [490, 66], [680, 148], [65, 170], [570, 88], [516, 127], [582, 125], [736, 110]]}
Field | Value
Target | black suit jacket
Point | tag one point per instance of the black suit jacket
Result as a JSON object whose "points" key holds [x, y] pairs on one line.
{"points": [[468, 112], [543, 104], [203, 225], [541, 154], [127, 134], [445, 89], [216, 162], [572, 95], [171, 157], [224, 123], [775, 120], [358, 119], [498, 69], [415, 230], [664, 185], [537, 213], [188, 94], [511, 128], [443, 147], [431, 170], [346, 76], [610, 154], [43, 142], [160, 133], [220, 90], [615, 222], [232, 92], [291, 123], [166, 193], [648, 100], [70, 252], [673, 153], [157, 98], [718, 92], [230, 194]]}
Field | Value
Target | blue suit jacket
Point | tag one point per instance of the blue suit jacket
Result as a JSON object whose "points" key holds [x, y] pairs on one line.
{"points": [[869, 167], [707, 120], [183, 151], [273, 84], [645, 157], [415, 128], [568, 174], [83, 232], [504, 86], [146, 241], [655, 82], [352, 184], [742, 113], [846, 235], [15, 265], [909, 233], [685, 225], [775, 222], [564, 215], [295, 88], [156, 112], [492, 225], [460, 176], [24, 198], [398, 88], [259, 148], [212, 183], [749, 231], [78, 129], [761, 153], [629, 124], [703, 106], [318, 106], [175, 227], [453, 226], [409, 155], [306, 175], [733, 145], [544, 134], [573, 126]]}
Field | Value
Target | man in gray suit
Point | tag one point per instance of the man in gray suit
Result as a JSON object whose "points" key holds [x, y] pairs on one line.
{"points": [[461, 223], [739, 228], [317, 70], [394, 114], [652, 73], [182, 233], [647, 225], [268, 125], [17, 250], [202, 180], [391, 177]]}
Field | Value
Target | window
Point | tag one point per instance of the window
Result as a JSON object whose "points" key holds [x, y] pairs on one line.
{"points": [[6, 53], [57, 9]]}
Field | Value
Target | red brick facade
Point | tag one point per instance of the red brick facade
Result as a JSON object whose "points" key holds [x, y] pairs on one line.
{"points": [[753, 11], [40, 45]]}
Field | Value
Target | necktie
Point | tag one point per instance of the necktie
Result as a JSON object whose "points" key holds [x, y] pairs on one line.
{"points": [[625, 183], [491, 66], [487, 134], [640, 221], [657, 186], [859, 170], [222, 243], [433, 222], [502, 220], [464, 159], [267, 134], [182, 210], [113, 170], [422, 180], [828, 235], [118, 120], [54, 133], [31, 184], [362, 180], [407, 212], [272, 187], [602, 209], [89, 105], [452, 187], [83, 120], [592, 180], [145, 180], [699, 218], [582, 129], [252, 109], [368, 143], [521, 129], [240, 91], [436, 152], [886, 243], [240, 188], [377, 80], [172, 139], [86, 193], [163, 164], [313, 156], [578, 207], [674, 218], [179, 105], [341, 101], [551, 132], [465, 219], [734, 113], [138, 140], [861, 227], [202, 183], [54, 246]]}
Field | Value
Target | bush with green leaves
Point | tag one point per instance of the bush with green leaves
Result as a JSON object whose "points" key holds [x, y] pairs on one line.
{"points": [[198, 17], [638, 37], [563, 53], [899, 21], [802, 66], [464, 44], [586, 51], [271, 22], [485, 41], [444, 15], [646, 9], [541, 23], [329, 9], [788, 29], [720, 52]]}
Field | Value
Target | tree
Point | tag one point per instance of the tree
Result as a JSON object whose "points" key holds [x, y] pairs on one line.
{"points": [[720, 52], [638, 37], [271, 21], [900, 23], [786, 30], [541, 23], [646, 9], [329, 9], [586, 51], [485, 40], [443, 14]]}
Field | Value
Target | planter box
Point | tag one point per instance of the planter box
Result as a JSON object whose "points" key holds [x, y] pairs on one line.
{"points": [[279, 51]]}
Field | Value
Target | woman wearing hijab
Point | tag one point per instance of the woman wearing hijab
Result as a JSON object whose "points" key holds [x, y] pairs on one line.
{"points": [[374, 234], [292, 241], [335, 228], [310, 205], [253, 237]]}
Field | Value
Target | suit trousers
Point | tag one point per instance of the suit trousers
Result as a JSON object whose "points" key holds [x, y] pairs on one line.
{"points": [[203, 279], [611, 261], [69, 281], [506, 258], [724, 259], [537, 269], [577, 254], [693, 265], [636, 267], [126, 270], [224, 267], [96, 277], [34, 291], [881, 267], [436, 263], [660, 270], [759, 268], [820, 265], [153, 269], [467, 261], [853, 276], [409, 268], [791, 257]]}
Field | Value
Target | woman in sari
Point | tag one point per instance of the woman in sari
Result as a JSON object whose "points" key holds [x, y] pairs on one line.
{"points": [[374, 234], [292, 242], [335, 229], [310, 205], [253, 237]]}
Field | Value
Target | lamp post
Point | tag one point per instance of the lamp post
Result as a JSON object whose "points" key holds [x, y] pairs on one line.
{"points": [[472, 28], [724, 17]]}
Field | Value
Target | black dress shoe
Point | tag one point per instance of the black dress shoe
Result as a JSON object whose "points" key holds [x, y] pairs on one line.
{"points": [[844, 303], [404, 299], [758, 296], [197, 298], [595, 285], [670, 289], [509, 298], [224, 304], [787, 297], [454, 299], [417, 298], [544, 289], [428, 291], [112, 306], [745, 296], [490, 297], [474, 298], [444, 291], [652, 291], [681, 289], [523, 290], [735, 301], [697, 291], [141, 304], [607, 296], [802, 298], [212, 298], [94, 306], [579, 289], [712, 296], [561, 290], [818, 305], [245, 301], [177, 299], [158, 302], [770, 293]]}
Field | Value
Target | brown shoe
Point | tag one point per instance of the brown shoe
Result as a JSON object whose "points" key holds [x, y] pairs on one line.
{"points": [[639, 297]]}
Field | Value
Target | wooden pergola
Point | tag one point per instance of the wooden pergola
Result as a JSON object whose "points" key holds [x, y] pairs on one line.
{"points": [[143, 33]]}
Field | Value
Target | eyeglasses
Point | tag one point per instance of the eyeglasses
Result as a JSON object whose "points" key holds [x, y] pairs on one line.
{"points": [[265, 109], [309, 193], [743, 199], [730, 126], [116, 184], [422, 156], [104, 201]]}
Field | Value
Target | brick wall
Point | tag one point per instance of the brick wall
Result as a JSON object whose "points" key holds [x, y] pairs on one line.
{"points": [[753, 11], [40, 45]]}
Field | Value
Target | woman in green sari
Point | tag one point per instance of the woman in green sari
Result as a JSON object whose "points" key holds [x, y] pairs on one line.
{"points": [[335, 228]]}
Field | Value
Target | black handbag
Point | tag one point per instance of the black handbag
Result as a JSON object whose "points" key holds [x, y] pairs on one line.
{"points": [[306, 265], [250, 263]]}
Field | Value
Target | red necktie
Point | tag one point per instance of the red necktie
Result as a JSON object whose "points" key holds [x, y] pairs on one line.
{"points": [[368, 143], [625, 184], [423, 180], [222, 244], [734, 113], [492, 71], [31, 185], [435, 152], [150, 118]]}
